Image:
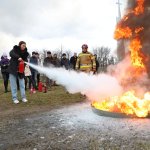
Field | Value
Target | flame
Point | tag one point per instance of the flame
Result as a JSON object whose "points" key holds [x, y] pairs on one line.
{"points": [[139, 9], [138, 30], [135, 48], [123, 33], [135, 44], [128, 103]]}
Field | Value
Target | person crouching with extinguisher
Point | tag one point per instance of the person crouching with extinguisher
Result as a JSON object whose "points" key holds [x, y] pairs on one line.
{"points": [[19, 55]]}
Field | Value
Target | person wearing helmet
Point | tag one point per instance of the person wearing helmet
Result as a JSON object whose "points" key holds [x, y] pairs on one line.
{"points": [[86, 60]]}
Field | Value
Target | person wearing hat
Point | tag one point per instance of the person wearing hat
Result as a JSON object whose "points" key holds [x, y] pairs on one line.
{"points": [[65, 61], [47, 63], [86, 60], [18, 54], [4, 63]]}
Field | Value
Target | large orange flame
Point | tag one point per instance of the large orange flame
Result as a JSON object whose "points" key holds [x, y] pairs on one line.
{"points": [[123, 33], [140, 7], [135, 48], [129, 103]]}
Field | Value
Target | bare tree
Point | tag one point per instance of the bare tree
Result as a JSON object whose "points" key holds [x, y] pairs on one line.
{"points": [[102, 52], [68, 53], [102, 56], [58, 52]]}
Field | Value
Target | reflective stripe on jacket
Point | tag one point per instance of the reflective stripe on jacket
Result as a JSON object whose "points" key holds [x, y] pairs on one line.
{"points": [[86, 61]]}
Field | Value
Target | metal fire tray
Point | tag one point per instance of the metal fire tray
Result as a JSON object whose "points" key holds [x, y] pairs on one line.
{"points": [[113, 114]]}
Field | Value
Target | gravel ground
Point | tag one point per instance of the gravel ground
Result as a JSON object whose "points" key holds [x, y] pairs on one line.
{"points": [[74, 127]]}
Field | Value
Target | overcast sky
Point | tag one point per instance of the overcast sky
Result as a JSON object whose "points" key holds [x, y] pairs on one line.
{"points": [[46, 24]]}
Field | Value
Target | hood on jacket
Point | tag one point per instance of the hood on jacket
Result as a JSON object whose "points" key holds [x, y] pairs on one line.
{"points": [[4, 56], [18, 48]]}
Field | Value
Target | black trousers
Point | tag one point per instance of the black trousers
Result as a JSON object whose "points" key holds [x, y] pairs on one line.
{"points": [[38, 78], [31, 82], [34, 79], [5, 79]]}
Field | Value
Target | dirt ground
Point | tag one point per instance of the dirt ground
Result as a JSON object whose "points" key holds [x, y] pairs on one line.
{"points": [[74, 127], [61, 121]]}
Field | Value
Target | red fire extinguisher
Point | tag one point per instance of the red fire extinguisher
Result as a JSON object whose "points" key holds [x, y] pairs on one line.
{"points": [[21, 67], [40, 86]]}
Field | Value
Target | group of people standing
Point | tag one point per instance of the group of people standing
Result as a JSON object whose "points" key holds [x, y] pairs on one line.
{"points": [[63, 62], [85, 62]]}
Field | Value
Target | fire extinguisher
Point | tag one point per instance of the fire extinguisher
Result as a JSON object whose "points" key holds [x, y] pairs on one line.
{"points": [[21, 67], [40, 86]]}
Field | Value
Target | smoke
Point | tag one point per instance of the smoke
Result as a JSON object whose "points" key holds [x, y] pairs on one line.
{"points": [[120, 78], [95, 87], [132, 78], [141, 20], [129, 78]]}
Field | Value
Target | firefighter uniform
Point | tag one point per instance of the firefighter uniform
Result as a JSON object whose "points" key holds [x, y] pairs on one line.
{"points": [[86, 62]]}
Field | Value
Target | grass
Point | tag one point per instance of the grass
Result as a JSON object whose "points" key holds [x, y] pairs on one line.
{"points": [[54, 98]]}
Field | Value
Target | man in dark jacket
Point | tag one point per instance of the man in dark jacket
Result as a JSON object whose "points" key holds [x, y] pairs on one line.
{"points": [[56, 61], [73, 61], [39, 63], [4, 63], [64, 61], [34, 61], [47, 62], [18, 55]]}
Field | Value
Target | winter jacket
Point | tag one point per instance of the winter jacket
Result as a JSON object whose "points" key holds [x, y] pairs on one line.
{"points": [[56, 62], [4, 63], [47, 61], [73, 61], [86, 62], [65, 63], [34, 61], [15, 54]]}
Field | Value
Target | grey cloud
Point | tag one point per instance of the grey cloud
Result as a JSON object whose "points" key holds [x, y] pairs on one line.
{"points": [[36, 18]]}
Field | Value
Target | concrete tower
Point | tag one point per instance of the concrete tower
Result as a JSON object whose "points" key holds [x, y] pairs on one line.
{"points": [[120, 43]]}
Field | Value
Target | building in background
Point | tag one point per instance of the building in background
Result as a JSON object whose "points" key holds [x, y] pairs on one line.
{"points": [[120, 43]]}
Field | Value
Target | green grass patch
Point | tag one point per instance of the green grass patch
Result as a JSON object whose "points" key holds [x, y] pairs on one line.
{"points": [[54, 98]]}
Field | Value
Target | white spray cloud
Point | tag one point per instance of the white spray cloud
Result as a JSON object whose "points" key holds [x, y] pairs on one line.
{"points": [[129, 76], [95, 87]]}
